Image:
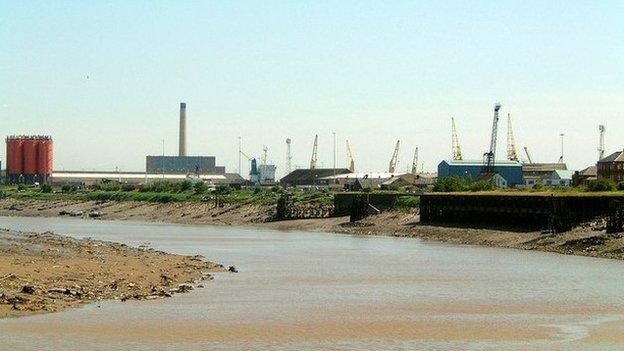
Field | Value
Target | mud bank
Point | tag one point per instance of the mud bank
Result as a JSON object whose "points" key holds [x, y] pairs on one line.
{"points": [[45, 272], [589, 240]]}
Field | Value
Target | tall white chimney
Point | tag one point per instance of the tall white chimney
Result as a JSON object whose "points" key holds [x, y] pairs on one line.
{"points": [[182, 129]]}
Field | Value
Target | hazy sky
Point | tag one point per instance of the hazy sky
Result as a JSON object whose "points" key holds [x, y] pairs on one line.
{"points": [[105, 79]]}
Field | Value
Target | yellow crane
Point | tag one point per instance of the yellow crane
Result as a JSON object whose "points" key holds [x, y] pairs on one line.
{"points": [[395, 158]]}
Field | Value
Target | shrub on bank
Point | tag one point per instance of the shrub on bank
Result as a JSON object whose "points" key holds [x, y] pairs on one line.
{"points": [[600, 185], [620, 186]]}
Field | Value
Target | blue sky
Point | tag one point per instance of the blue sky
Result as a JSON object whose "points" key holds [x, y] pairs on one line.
{"points": [[370, 71]]}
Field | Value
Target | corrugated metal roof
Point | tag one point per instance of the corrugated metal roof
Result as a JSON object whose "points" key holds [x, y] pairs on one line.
{"points": [[497, 163], [129, 175], [543, 167]]}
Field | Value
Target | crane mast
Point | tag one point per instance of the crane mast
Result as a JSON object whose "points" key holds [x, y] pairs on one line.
{"points": [[512, 153], [457, 153], [314, 153], [415, 161], [490, 156], [350, 157], [601, 146], [265, 151], [395, 158], [526, 151]]}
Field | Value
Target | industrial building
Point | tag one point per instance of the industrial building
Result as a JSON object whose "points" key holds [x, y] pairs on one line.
{"points": [[311, 177], [511, 171], [182, 165], [363, 180], [612, 167], [87, 178], [29, 159], [534, 172]]}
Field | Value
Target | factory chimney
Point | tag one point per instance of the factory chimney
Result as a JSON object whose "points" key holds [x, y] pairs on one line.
{"points": [[182, 129]]}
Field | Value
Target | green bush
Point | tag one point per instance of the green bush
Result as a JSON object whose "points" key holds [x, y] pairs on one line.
{"points": [[127, 187], [406, 202], [483, 185], [601, 184], [452, 184], [21, 187], [620, 186], [200, 187], [46, 188], [68, 188]]}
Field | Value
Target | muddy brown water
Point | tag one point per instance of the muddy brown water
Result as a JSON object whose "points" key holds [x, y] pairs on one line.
{"points": [[320, 291]]}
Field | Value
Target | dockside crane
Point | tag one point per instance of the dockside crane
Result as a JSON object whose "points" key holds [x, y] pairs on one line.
{"points": [[415, 161], [512, 154], [526, 151], [490, 156], [601, 146], [313, 159], [350, 157], [457, 153], [395, 158]]}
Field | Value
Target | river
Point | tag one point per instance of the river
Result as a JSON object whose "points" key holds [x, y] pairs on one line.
{"points": [[320, 291]]}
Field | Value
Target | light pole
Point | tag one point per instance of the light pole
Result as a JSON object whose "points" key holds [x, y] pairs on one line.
{"points": [[561, 158], [163, 159], [334, 135]]}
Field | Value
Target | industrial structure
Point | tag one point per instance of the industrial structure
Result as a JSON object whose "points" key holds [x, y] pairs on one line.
{"points": [[601, 142], [182, 140], [511, 171], [415, 162], [512, 153], [317, 177], [288, 156], [30, 159], [314, 157], [392, 166], [490, 156], [456, 151], [182, 164], [350, 158]]}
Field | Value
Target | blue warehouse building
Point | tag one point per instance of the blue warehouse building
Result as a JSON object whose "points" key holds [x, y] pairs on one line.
{"points": [[510, 170]]}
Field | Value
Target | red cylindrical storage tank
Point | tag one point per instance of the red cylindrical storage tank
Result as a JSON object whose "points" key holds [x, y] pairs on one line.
{"points": [[30, 156], [44, 156], [16, 157]]}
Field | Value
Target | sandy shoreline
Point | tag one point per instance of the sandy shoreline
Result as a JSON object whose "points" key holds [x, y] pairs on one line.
{"points": [[45, 272], [584, 241]]}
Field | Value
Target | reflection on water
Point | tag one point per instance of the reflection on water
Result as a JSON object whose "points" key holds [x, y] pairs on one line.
{"points": [[317, 291]]}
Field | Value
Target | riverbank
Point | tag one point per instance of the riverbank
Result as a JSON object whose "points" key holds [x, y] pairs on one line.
{"points": [[589, 240], [45, 272]]}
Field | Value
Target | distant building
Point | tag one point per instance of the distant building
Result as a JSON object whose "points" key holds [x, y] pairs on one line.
{"points": [[183, 165], [583, 176], [612, 167], [410, 181], [311, 177], [511, 171], [496, 179], [533, 172], [557, 178], [363, 179]]}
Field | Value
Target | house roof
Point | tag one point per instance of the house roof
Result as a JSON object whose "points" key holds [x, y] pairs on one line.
{"points": [[364, 175], [497, 163], [590, 171], [617, 156]]}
